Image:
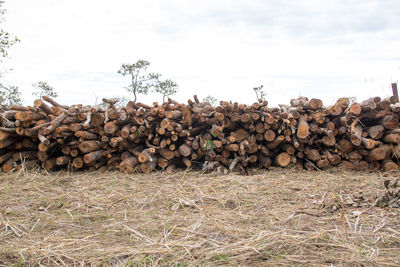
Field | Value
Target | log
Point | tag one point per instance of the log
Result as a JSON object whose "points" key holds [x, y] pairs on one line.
{"points": [[389, 165], [77, 162], [43, 106], [128, 165], [302, 128], [379, 153], [283, 159], [185, 150], [7, 142], [63, 160], [89, 146], [148, 166], [92, 156]]}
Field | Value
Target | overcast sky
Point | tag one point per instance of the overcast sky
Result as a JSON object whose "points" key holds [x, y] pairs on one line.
{"points": [[324, 49]]}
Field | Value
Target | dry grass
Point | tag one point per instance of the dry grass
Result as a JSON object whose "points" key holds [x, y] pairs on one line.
{"points": [[280, 217]]}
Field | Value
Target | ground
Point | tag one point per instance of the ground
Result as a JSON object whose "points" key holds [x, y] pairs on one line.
{"points": [[273, 218]]}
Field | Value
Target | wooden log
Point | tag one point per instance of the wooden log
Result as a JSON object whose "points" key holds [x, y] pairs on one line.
{"points": [[92, 156], [49, 164], [376, 132], [269, 135], [146, 155], [128, 165], [77, 162], [55, 123], [389, 165], [323, 164], [173, 114], [63, 160], [54, 103], [390, 122], [185, 150], [312, 154], [4, 135], [356, 135], [43, 106], [29, 116], [283, 159], [89, 146], [345, 146], [148, 166], [24, 155], [110, 128], [313, 104], [7, 142], [9, 165], [370, 143], [274, 144], [379, 153], [392, 138], [347, 165], [6, 156], [86, 135], [355, 109], [302, 128]]}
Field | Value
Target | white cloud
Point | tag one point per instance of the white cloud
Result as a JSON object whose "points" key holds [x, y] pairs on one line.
{"points": [[320, 49]]}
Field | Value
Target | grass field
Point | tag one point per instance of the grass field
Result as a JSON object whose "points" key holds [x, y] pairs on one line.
{"points": [[278, 217]]}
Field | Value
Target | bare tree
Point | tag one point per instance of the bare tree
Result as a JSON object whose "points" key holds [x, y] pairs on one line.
{"points": [[260, 93]]}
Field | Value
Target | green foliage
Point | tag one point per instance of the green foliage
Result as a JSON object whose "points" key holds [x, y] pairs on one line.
{"points": [[10, 95], [6, 39], [141, 81], [21, 263], [260, 93], [211, 100], [166, 88], [44, 89], [209, 145]]}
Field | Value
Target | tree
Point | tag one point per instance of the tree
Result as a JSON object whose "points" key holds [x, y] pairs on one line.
{"points": [[166, 88], [140, 81], [44, 89], [10, 95], [6, 39], [211, 100], [260, 93]]}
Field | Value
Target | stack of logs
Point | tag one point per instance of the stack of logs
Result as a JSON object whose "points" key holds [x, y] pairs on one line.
{"points": [[228, 138]]}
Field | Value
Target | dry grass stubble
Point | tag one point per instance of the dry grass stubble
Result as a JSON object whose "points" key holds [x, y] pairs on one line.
{"points": [[273, 218]]}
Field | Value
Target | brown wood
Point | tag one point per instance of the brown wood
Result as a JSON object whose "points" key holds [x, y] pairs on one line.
{"points": [[92, 156], [63, 160], [283, 159], [395, 92], [89, 146], [128, 165], [302, 128]]}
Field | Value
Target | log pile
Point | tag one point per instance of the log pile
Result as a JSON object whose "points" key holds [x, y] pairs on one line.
{"points": [[228, 138]]}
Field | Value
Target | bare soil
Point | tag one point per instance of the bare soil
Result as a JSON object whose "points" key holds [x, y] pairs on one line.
{"points": [[273, 218]]}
